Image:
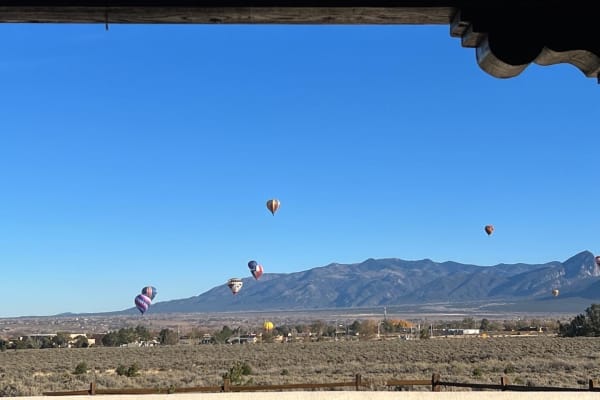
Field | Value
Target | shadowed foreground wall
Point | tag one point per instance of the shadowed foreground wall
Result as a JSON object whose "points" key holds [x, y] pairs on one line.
{"points": [[342, 395]]}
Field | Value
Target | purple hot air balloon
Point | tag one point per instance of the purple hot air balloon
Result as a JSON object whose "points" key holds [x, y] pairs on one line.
{"points": [[142, 302]]}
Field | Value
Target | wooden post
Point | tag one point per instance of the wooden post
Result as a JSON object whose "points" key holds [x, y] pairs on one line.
{"points": [[358, 381], [92, 388], [226, 384], [591, 384], [435, 387], [504, 382]]}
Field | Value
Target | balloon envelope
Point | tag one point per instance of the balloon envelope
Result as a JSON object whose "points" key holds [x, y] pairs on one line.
{"points": [[268, 326], [555, 292], [235, 285], [149, 291], [256, 269], [273, 205], [598, 260], [489, 229], [142, 302], [257, 272]]}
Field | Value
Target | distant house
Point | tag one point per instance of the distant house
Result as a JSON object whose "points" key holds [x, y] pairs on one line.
{"points": [[250, 338], [207, 339], [460, 331]]}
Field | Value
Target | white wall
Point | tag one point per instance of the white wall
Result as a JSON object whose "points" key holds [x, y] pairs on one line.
{"points": [[340, 395]]}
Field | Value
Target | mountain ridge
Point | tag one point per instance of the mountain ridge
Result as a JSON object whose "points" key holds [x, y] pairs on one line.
{"points": [[394, 281]]}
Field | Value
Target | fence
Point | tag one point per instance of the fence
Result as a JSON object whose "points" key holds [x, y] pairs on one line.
{"points": [[435, 382], [357, 384]]}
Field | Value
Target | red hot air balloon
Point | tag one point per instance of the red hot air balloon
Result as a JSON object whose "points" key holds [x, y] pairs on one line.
{"points": [[273, 205], [256, 269], [489, 229], [257, 273]]}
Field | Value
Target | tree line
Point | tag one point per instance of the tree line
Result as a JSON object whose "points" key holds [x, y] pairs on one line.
{"points": [[587, 324]]}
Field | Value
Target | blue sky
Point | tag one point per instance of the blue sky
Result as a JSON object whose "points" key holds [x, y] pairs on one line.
{"points": [[145, 155]]}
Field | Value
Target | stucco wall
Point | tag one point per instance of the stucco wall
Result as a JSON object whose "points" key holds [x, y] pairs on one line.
{"points": [[341, 395]]}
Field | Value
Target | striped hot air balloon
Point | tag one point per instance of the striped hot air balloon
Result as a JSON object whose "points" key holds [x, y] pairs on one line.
{"points": [[149, 291], [142, 302], [235, 285], [273, 205]]}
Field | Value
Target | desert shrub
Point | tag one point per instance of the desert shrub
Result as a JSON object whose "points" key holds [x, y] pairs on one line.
{"points": [[81, 368], [477, 372], [10, 390], [237, 371], [131, 371], [509, 369]]}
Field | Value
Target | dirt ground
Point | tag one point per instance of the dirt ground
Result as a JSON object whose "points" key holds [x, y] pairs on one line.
{"points": [[536, 361]]}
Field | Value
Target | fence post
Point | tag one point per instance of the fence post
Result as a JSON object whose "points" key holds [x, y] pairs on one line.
{"points": [[226, 384], [435, 386], [591, 384], [504, 382], [358, 381], [92, 388]]}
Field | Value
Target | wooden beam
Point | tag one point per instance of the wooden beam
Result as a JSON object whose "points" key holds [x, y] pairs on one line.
{"points": [[228, 15]]}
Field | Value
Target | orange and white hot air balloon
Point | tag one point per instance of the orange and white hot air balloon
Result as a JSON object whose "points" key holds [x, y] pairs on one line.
{"points": [[273, 205]]}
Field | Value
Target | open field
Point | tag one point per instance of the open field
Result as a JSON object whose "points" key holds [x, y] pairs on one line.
{"points": [[539, 361]]}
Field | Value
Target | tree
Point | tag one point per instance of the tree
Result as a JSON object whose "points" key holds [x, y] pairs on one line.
{"points": [[587, 324], [368, 328], [143, 333], [593, 318], [81, 342], [485, 324], [355, 327], [318, 327], [61, 339], [111, 339], [223, 334], [168, 337], [469, 323]]}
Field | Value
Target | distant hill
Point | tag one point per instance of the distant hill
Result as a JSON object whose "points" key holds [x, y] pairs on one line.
{"points": [[388, 282]]}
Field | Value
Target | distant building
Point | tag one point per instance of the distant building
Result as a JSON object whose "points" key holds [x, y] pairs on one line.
{"points": [[460, 331]]}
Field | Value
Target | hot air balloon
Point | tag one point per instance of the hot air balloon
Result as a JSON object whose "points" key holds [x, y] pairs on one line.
{"points": [[235, 285], [489, 229], [555, 292], [268, 326], [598, 261], [142, 302], [256, 269], [149, 291], [273, 205]]}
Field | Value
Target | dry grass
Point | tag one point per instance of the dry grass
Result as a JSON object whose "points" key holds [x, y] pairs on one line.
{"points": [[540, 361]]}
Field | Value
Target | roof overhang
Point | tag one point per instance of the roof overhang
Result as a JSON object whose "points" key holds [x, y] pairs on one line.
{"points": [[508, 35]]}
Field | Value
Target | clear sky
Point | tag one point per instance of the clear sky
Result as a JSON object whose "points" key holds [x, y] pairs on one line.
{"points": [[145, 155]]}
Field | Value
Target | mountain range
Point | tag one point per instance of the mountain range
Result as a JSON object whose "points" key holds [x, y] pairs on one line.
{"points": [[397, 282]]}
